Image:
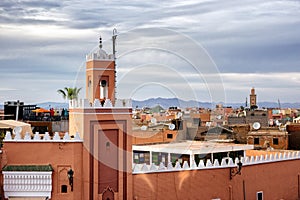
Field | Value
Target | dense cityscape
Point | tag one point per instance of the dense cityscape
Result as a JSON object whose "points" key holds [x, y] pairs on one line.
{"points": [[101, 147]]}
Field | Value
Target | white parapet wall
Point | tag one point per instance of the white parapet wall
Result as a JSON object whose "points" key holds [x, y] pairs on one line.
{"points": [[85, 104], [225, 163], [37, 138]]}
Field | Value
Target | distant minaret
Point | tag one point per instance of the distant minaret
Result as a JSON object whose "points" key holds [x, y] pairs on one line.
{"points": [[246, 103], [253, 99]]}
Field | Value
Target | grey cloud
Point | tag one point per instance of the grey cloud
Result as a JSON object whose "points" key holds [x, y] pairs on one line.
{"points": [[241, 36]]}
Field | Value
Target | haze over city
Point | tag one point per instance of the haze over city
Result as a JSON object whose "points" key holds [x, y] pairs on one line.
{"points": [[248, 44]]}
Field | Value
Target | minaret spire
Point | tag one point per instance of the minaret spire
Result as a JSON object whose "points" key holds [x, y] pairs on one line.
{"points": [[100, 42]]}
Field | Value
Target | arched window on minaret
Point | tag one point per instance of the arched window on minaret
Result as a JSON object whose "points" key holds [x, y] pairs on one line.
{"points": [[103, 89]]}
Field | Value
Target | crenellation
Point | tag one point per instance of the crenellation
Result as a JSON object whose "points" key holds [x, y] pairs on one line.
{"points": [[208, 163], [161, 166], [153, 167], [194, 165], [254, 160], [84, 103], [37, 137], [170, 166], [177, 166], [201, 164], [216, 163], [185, 165]]}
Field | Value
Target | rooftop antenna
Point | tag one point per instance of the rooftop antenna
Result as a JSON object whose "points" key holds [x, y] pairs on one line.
{"points": [[100, 42], [17, 110], [279, 105], [114, 37]]}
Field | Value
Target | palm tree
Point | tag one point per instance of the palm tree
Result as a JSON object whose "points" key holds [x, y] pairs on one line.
{"points": [[69, 93]]}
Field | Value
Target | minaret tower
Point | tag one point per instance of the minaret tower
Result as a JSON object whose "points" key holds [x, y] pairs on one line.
{"points": [[253, 98], [100, 76], [105, 128]]}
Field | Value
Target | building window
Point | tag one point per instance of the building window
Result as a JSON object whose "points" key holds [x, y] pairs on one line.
{"points": [[64, 188], [107, 145], [169, 136], [256, 140], [275, 141], [259, 195]]}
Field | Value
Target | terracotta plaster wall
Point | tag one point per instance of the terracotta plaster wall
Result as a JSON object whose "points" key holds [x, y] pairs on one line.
{"points": [[278, 180], [61, 156], [93, 121]]}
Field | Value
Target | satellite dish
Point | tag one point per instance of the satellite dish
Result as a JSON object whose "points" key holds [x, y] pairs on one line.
{"points": [[17, 130], [144, 128], [153, 120], [171, 126], [219, 117], [256, 125], [179, 115]]}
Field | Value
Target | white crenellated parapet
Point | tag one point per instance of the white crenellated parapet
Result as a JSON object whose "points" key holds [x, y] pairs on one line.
{"points": [[225, 163], [84, 103], [100, 54], [37, 137]]}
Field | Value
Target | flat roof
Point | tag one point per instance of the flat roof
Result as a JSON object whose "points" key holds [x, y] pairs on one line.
{"points": [[193, 147]]}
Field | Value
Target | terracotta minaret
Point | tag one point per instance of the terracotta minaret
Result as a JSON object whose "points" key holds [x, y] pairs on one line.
{"points": [[100, 76], [252, 98]]}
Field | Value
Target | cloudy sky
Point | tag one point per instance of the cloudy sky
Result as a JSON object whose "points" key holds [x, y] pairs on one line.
{"points": [[205, 49]]}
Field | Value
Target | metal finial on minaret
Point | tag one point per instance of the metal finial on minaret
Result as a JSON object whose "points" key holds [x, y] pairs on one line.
{"points": [[114, 37], [100, 42]]}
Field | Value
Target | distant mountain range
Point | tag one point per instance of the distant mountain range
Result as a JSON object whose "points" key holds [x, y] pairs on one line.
{"points": [[175, 102], [168, 102]]}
